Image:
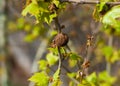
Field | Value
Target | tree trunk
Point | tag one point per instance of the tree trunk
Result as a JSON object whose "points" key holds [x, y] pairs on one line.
{"points": [[3, 71]]}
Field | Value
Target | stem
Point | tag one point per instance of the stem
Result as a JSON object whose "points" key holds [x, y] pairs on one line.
{"points": [[66, 68], [90, 2], [108, 65], [108, 68], [57, 24], [60, 56], [68, 71]]}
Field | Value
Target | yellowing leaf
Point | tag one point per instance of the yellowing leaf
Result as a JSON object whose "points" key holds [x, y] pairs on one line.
{"points": [[71, 75], [56, 83]]}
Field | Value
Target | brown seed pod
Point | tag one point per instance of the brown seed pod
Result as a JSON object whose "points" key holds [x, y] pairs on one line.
{"points": [[60, 40]]}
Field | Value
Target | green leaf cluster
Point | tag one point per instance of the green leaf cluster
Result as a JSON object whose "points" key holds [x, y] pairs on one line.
{"points": [[111, 18], [102, 79], [110, 54], [101, 9], [43, 65], [73, 58], [40, 10], [40, 79]]}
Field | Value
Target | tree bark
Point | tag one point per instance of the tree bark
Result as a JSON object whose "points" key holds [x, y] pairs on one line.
{"points": [[3, 69]]}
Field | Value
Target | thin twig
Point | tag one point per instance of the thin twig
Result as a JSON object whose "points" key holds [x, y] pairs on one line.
{"points": [[89, 2], [108, 65], [57, 24], [60, 56], [66, 68], [68, 71], [74, 80]]}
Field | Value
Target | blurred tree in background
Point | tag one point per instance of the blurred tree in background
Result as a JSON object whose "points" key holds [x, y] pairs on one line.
{"points": [[34, 47]]}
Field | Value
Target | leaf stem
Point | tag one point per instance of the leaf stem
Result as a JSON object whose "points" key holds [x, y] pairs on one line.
{"points": [[60, 56]]}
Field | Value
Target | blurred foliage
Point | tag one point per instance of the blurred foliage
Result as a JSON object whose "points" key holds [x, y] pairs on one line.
{"points": [[32, 31], [102, 79], [111, 18]]}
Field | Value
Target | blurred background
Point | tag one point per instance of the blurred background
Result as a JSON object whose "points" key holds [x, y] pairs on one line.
{"points": [[23, 42]]}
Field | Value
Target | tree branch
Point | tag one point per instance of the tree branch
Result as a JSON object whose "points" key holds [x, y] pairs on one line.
{"points": [[57, 24], [90, 2]]}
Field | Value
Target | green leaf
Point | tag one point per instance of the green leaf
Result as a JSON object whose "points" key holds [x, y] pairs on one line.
{"points": [[56, 2], [49, 18], [53, 50], [71, 75], [72, 63], [53, 33], [39, 10], [56, 75], [111, 17], [107, 52], [36, 31], [52, 59], [28, 38], [43, 64], [34, 1], [52, 16], [20, 23], [40, 79], [56, 78], [115, 56], [85, 83], [104, 78], [57, 83], [71, 83], [74, 56], [101, 6], [92, 79], [32, 8]]}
